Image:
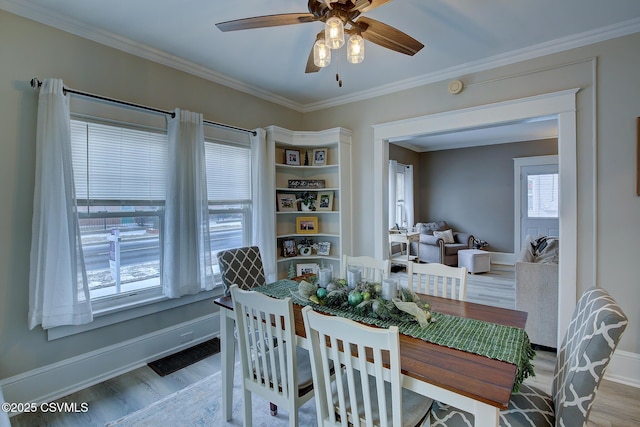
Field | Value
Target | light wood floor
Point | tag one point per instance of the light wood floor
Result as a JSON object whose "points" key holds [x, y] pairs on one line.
{"points": [[615, 404]]}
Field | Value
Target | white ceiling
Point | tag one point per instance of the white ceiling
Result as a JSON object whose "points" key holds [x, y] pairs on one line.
{"points": [[460, 36]]}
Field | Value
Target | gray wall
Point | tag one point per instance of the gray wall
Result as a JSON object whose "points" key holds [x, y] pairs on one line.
{"points": [[607, 106], [608, 208], [472, 189], [29, 49]]}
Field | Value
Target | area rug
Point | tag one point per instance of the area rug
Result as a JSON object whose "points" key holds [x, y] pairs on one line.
{"points": [[200, 404], [170, 364]]}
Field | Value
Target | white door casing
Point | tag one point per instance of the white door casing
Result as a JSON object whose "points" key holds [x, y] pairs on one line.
{"points": [[561, 105]]}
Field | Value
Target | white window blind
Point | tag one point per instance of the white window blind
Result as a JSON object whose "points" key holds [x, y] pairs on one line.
{"points": [[542, 196], [118, 163], [228, 172]]}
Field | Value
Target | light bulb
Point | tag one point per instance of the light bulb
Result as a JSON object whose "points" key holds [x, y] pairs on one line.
{"points": [[355, 49], [321, 54], [334, 32]]}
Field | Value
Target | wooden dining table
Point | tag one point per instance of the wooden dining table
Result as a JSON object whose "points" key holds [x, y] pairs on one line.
{"points": [[474, 383]]}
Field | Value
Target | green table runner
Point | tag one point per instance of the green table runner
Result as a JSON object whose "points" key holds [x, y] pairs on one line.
{"points": [[504, 343]]}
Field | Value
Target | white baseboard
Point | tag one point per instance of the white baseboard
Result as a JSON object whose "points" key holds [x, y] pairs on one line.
{"points": [[503, 258], [59, 379], [624, 368]]}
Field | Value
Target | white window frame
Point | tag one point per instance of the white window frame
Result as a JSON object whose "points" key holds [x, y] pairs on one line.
{"points": [[134, 304]]}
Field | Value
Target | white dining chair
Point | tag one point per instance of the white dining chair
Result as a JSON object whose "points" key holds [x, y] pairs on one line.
{"points": [[368, 391], [437, 279], [594, 332], [273, 366], [373, 270]]}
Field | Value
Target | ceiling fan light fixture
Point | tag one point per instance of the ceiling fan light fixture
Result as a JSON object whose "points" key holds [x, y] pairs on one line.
{"points": [[321, 54], [355, 49], [334, 32]]}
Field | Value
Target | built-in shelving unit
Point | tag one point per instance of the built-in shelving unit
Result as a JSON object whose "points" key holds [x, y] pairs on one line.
{"points": [[330, 224]]}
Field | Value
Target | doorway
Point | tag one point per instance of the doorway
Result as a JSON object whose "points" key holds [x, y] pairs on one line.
{"points": [[561, 105]]}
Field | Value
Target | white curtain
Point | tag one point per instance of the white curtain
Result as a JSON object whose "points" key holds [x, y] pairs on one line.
{"points": [[408, 195], [58, 288], [264, 206], [186, 266], [393, 197]]}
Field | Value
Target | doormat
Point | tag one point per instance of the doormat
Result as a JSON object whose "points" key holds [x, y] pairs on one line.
{"points": [[181, 359]]}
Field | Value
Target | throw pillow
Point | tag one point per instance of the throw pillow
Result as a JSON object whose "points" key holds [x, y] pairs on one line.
{"points": [[446, 235]]}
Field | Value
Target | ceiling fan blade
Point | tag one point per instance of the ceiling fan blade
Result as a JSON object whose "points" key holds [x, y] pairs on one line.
{"points": [[266, 21], [367, 5], [389, 37]]}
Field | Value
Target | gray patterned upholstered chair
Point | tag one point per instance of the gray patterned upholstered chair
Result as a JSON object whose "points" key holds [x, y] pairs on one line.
{"points": [[242, 267], [594, 332]]}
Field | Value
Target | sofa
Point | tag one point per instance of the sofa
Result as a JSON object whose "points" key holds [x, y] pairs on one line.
{"points": [[439, 243], [536, 274]]}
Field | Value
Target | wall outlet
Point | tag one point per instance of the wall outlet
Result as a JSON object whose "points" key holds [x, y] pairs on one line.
{"points": [[186, 337]]}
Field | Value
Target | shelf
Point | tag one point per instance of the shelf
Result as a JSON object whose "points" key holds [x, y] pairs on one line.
{"points": [[334, 226]]}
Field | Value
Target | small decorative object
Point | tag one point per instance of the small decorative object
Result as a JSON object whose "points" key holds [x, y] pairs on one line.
{"points": [[319, 157], [292, 271], [306, 158], [354, 275], [303, 269], [479, 244], [287, 202], [292, 157], [306, 183], [325, 201], [305, 246], [325, 275], [389, 289], [324, 248], [289, 248], [307, 201], [307, 225], [365, 299]]}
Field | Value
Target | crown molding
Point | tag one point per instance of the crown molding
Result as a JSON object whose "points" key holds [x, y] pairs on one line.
{"points": [[75, 27]]}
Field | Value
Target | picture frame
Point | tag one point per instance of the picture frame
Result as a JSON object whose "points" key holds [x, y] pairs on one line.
{"points": [[637, 156], [324, 248], [292, 157], [311, 268], [287, 202], [319, 157], [307, 225], [324, 201], [289, 248]]}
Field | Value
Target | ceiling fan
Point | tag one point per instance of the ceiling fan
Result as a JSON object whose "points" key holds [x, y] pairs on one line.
{"points": [[339, 17]]}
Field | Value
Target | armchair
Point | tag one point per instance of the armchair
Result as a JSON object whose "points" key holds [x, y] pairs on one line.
{"points": [[433, 247]]}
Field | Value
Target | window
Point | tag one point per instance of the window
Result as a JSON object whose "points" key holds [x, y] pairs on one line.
{"points": [[542, 196], [229, 188], [119, 174], [120, 180]]}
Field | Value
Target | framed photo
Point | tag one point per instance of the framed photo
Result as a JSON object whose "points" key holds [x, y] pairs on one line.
{"points": [[289, 248], [324, 201], [302, 269], [638, 156], [307, 224], [324, 248], [319, 156], [292, 157], [287, 202]]}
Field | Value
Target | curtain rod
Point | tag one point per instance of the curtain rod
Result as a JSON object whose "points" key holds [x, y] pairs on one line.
{"points": [[35, 84]]}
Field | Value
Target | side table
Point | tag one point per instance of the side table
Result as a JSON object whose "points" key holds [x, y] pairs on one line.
{"points": [[403, 238]]}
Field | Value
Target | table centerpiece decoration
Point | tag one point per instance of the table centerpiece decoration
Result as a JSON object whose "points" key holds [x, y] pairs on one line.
{"points": [[365, 299]]}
